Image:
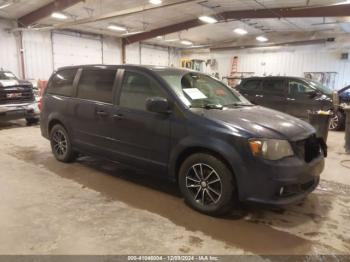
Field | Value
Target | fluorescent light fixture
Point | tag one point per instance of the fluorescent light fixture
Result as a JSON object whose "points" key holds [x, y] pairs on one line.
{"points": [[343, 3], [155, 2], [171, 40], [208, 19], [5, 5], [240, 31], [116, 28], [186, 42], [133, 33], [262, 39], [59, 15]]}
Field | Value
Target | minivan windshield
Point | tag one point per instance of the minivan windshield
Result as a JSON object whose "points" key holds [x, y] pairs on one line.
{"points": [[202, 91], [7, 76], [324, 89]]}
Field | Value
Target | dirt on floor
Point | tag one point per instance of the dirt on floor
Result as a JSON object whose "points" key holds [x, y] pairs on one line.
{"points": [[94, 206]]}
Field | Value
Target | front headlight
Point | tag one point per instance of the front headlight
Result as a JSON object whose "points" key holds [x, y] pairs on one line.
{"points": [[271, 149]]}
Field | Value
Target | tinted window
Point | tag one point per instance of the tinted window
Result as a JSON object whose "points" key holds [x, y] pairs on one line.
{"points": [[296, 88], [136, 89], [97, 84], [62, 83], [251, 85], [274, 86]]}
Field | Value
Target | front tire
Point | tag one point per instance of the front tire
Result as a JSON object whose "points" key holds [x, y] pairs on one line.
{"points": [[61, 144], [207, 184]]}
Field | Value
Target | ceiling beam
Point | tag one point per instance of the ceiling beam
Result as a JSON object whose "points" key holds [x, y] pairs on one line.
{"points": [[289, 12], [45, 11]]}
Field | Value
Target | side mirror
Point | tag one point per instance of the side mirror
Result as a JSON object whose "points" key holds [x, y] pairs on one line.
{"points": [[158, 105], [313, 94]]}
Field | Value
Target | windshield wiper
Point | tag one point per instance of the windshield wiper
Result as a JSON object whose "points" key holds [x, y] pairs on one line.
{"points": [[210, 106], [239, 104]]}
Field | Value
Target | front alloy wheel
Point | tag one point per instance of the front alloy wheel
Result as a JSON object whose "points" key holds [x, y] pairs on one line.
{"points": [[204, 184], [207, 184]]}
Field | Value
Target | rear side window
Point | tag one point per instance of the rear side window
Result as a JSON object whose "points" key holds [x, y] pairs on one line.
{"points": [[251, 85], [137, 88], [97, 85], [274, 86], [62, 83]]}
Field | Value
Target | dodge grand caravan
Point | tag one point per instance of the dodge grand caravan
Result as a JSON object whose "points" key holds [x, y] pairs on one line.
{"points": [[186, 126]]}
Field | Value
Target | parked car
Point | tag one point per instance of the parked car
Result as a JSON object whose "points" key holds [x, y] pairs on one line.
{"points": [[186, 126], [344, 95], [17, 99], [292, 95]]}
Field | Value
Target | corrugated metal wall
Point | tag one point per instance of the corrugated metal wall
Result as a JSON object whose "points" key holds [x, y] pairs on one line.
{"points": [[290, 61], [9, 54], [37, 54]]}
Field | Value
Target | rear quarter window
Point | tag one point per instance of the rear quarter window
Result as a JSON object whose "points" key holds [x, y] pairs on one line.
{"points": [[61, 83]]}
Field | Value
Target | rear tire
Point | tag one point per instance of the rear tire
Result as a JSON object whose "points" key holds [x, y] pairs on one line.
{"points": [[61, 144], [337, 122], [207, 184]]}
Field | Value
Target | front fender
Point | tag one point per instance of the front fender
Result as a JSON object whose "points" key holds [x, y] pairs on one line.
{"points": [[220, 147]]}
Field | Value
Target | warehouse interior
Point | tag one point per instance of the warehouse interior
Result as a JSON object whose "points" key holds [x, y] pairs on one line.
{"points": [[94, 206]]}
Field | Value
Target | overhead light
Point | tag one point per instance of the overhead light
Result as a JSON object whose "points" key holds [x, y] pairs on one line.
{"points": [[133, 33], [171, 40], [159, 37], [208, 19], [186, 42], [262, 39], [116, 28], [240, 31], [5, 5], [155, 2], [59, 15]]}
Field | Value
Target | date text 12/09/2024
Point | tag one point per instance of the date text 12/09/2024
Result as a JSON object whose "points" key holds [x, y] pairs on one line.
{"points": [[173, 258]]}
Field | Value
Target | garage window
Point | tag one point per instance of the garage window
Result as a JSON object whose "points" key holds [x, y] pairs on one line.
{"points": [[62, 83], [137, 88], [97, 85]]}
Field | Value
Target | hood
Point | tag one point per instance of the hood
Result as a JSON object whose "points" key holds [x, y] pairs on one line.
{"points": [[261, 122], [14, 82]]}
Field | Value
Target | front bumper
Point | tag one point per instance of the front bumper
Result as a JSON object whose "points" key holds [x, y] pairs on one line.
{"points": [[283, 182], [10, 112]]}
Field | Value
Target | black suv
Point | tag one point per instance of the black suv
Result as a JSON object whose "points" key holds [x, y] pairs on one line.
{"points": [[186, 126], [292, 95], [17, 99]]}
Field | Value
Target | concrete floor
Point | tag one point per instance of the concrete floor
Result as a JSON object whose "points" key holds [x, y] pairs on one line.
{"points": [[97, 207]]}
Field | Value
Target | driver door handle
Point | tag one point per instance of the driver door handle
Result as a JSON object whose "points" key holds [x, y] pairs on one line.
{"points": [[101, 113], [118, 116]]}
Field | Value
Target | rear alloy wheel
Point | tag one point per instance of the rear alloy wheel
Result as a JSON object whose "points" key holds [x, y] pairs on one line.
{"points": [[337, 121], [207, 184], [60, 144]]}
